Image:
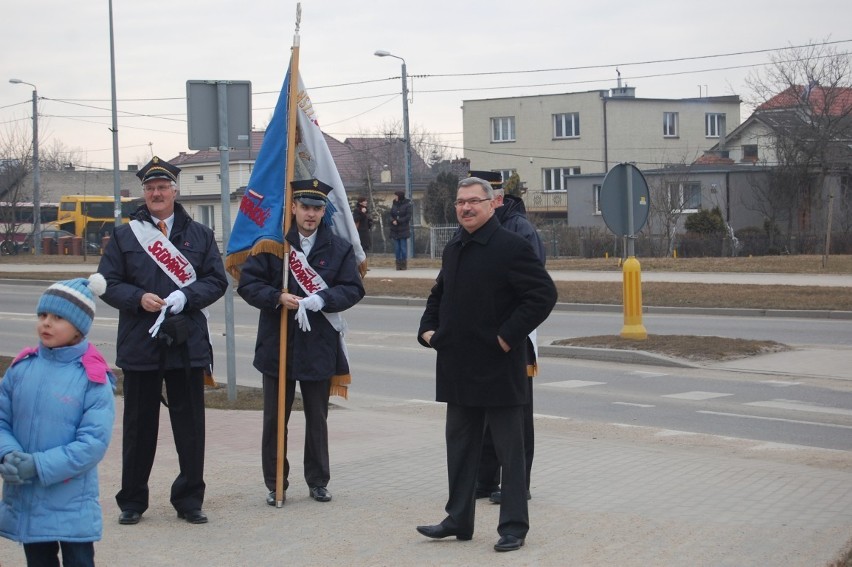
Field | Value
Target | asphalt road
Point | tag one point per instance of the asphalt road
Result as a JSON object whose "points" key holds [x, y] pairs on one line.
{"points": [[780, 407]]}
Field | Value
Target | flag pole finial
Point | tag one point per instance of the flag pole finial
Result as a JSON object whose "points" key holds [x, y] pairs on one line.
{"points": [[298, 23]]}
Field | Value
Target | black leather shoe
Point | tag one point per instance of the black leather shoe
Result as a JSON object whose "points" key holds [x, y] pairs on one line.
{"points": [[129, 517], [440, 532], [485, 491], [509, 543], [270, 498], [193, 516], [320, 494], [497, 497]]}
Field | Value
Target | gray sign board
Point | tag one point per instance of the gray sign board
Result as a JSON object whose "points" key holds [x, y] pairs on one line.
{"points": [[202, 111], [625, 191]]}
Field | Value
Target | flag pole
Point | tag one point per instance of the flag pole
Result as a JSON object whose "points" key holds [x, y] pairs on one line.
{"points": [[292, 107]]}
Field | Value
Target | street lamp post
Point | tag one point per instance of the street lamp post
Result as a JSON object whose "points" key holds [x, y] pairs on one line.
{"points": [[36, 171], [405, 134]]}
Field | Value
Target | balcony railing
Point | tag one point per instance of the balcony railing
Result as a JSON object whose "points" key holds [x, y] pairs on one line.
{"points": [[546, 202]]}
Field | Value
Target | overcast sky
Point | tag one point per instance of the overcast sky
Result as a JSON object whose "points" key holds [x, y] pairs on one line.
{"points": [[526, 48]]}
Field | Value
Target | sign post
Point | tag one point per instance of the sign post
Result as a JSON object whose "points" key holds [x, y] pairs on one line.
{"points": [[219, 116], [625, 203]]}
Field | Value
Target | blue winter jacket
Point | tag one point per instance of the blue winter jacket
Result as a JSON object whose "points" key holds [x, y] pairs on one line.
{"points": [[50, 407]]}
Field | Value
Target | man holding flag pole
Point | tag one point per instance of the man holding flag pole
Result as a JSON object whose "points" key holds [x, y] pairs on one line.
{"points": [[300, 278]]}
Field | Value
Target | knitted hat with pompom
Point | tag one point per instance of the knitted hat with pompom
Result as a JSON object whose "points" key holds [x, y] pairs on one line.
{"points": [[74, 300]]}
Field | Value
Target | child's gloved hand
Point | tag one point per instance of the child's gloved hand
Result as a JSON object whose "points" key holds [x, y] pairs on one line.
{"points": [[9, 471], [25, 464]]}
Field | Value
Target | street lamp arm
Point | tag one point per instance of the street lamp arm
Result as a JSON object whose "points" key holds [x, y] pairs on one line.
{"points": [[20, 82]]}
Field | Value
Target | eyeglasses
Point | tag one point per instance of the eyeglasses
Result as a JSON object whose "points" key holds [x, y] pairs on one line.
{"points": [[462, 202], [158, 188]]}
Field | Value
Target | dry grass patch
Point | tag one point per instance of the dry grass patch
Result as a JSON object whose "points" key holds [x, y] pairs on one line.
{"points": [[689, 347], [666, 294]]}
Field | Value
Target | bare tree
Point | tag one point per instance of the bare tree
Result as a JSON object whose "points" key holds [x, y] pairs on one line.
{"points": [[382, 151], [670, 195], [804, 98]]}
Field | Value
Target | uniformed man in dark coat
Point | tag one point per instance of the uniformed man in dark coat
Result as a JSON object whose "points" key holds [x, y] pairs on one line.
{"points": [[315, 353], [162, 258], [511, 213], [490, 294]]}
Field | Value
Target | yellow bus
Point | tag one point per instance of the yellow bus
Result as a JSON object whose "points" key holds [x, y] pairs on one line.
{"points": [[92, 216]]}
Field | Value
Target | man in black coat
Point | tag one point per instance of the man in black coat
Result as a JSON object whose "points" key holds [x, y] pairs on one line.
{"points": [[162, 258], [315, 354], [490, 294], [512, 214]]}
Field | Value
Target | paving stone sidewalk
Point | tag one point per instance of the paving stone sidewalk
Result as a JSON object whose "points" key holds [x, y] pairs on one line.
{"points": [[602, 495]]}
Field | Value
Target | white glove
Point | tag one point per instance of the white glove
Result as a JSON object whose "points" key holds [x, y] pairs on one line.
{"points": [[302, 318], [155, 328], [177, 301], [313, 302]]}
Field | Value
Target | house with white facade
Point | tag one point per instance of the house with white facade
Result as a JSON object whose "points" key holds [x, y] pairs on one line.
{"points": [[548, 139]]}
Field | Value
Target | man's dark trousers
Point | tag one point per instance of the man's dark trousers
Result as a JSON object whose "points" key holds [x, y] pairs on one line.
{"points": [[464, 431], [185, 395], [315, 394]]}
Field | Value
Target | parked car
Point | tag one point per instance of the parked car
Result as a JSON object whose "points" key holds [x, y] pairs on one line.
{"points": [[9, 247]]}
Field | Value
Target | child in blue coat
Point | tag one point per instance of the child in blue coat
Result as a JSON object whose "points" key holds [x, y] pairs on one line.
{"points": [[57, 410]]}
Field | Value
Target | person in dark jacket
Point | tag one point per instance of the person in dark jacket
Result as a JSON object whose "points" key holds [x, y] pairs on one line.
{"points": [[400, 228], [512, 214], [162, 263], [315, 352], [363, 222], [491, 293]]}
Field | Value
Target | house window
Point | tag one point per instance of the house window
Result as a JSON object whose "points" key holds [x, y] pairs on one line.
{"points": [[207, 217], [199, 178], [749, 152], [554, 179], [669, 124], [685, 197], [596, 195], [566, 125], [713, 124], [503, 129]]}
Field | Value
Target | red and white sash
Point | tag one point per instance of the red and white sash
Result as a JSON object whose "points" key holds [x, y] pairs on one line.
{"points": [[165, 254], [311, 282], [169, 259]]}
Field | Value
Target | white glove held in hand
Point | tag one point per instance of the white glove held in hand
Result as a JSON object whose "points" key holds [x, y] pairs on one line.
{"points": [[302, 317], [313, 302], [177, 301]]}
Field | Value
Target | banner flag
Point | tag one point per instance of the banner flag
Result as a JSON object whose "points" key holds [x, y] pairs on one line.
{"points": [[259, 222]]}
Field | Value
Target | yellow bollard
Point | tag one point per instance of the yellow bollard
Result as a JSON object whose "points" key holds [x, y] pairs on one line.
{"points": [[632, 293], [606, 255], [674, 253]]}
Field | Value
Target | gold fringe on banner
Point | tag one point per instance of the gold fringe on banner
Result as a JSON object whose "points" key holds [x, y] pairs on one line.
{"points": [[532, 370], [340, 385], [234, 262]]}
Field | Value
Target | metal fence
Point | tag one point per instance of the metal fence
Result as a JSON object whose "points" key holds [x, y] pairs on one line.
{"points": [[438, 238]]}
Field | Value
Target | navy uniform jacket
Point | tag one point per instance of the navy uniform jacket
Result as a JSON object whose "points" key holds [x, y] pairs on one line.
{"points": [[491, 283], [315, 354], [513, 217], [130, 273]]}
